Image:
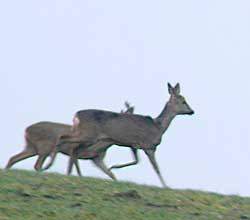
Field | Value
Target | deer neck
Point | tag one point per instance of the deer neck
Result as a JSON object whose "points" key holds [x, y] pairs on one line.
{"points": [[166, 116]]}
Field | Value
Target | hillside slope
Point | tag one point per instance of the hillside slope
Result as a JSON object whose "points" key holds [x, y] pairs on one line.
{"points": [[29, 195]]}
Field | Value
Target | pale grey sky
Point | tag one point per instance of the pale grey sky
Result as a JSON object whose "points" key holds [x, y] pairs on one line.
{"points": [[58, 57]]}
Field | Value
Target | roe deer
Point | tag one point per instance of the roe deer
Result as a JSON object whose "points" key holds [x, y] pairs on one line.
{"points": [[98, 130], [41, 138]]}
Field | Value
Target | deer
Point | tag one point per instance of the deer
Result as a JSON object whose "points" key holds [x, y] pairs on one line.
{"points": [[41, 137], [99, 129]]}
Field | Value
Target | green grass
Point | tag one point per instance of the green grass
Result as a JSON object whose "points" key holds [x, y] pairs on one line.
{"points": [[28, 195]]}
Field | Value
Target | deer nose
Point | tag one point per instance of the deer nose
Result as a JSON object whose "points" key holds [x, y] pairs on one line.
{"points": [[192, 112]]}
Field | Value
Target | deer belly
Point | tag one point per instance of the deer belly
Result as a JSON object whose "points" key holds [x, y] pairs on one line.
{"points": [[87, 154]]}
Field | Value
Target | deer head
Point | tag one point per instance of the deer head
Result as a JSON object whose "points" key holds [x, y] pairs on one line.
{"points": [[177, 102]]}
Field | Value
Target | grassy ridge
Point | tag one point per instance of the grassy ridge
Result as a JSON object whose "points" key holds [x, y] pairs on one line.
{"points": [[29, 195]]}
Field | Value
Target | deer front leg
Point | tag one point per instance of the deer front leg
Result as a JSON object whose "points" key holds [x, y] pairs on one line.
{"points": [[78, 168], [151, 156], [74, 154], [136, 160], [70, 140], [72, 160]]}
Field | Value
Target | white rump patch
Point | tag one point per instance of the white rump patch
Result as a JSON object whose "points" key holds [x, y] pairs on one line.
{"points": [[76, 122], [26, 138]]}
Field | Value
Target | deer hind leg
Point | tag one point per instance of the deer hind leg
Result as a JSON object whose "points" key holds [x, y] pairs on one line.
{"points": [[39, 162], [98, 161], [94, 146], [27, 153], [100, 147], [136, 160], [151, 157]]}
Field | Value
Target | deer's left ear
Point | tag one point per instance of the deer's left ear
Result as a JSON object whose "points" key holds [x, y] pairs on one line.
{"points": [[170, 89], [177, 89]]}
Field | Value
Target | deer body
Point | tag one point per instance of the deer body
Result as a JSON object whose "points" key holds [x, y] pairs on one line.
{"points": [[121, 129], [41, 139]]}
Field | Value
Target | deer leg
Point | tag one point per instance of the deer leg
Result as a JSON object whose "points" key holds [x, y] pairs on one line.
{"points": [[136, 160], [40, 162], [101, 147], [18, 157], [78, 168], [98, 161], [74, 156], [70, 165], [72, 160], [53, 154], [73, 153], [151, 157], [52, 159]]}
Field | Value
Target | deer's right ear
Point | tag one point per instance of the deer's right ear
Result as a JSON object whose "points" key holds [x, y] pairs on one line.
{"points": [[177, 89], [170, 89]]}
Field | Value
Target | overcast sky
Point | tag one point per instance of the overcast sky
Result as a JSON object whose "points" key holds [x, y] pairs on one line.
{"points": [[58, 57]]}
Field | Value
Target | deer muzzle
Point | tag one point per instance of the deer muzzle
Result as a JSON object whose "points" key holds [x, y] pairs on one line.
{"points": [[191, 112]]}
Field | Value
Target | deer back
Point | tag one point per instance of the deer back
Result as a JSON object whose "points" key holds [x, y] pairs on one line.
{"points": [[44, 135]]}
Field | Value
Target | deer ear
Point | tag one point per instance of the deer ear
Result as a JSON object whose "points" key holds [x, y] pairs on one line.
{"points": [[132, 110], [170, 89], [177, 89], [127, 105]]}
